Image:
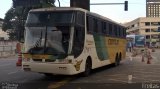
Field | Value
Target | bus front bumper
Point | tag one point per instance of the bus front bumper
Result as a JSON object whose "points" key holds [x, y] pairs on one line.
{"points": [[64, 69]]}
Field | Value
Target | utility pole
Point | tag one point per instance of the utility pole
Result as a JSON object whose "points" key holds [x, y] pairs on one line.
{"points": [[85, 4]]}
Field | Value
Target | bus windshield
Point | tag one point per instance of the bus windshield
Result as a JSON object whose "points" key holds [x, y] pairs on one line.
{"points": [[49, 18], [57, 40], [48, 32]]}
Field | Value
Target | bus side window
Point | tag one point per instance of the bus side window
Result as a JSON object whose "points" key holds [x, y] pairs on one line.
{"points": [[124, 32], [80, 18], [110, 29], [103, 27], [78, 42], [115, 30], [119, 30], [89, 24], [95, 25], [99, 27], [107, 28]]}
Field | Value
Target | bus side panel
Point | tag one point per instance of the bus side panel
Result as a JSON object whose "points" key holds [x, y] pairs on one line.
{"points": [[114, 46], [95, 47], [100, 46], [105, 48]]}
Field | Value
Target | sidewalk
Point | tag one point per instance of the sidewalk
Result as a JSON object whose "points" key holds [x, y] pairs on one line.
{"points": [[128, 54], [138, 58]]}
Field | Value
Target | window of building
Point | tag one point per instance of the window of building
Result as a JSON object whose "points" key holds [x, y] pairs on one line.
{"points": [[155, 23], [154, 30], [147, 36], [147, 30], [147, 23], [154, 36], [136, 25]]}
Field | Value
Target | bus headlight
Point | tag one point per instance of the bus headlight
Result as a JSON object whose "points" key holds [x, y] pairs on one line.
{"points": [[69, 59], [66, 61], [26, 59]]}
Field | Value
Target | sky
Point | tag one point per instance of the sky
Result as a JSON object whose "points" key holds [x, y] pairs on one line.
{"points": [[136, 8]]}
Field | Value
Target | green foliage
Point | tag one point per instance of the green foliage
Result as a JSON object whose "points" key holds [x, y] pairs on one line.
{"points": [[14, 19], [7, 23]]}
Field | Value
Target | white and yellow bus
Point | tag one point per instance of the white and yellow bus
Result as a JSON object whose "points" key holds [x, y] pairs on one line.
{"points": [[69, 41]]}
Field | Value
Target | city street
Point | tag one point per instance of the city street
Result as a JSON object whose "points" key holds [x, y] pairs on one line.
{"points": [[73, 36], [131, 73]]}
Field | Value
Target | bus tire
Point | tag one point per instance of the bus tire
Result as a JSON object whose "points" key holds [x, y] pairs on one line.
{"points": [[117, 60], [88, 67], [48, 74]]}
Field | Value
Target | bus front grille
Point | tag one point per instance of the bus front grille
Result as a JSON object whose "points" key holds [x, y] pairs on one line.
{"points": [[41, 60], [37, 60]]}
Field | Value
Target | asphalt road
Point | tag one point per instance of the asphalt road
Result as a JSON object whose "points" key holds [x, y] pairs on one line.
{"points": [[131, 73]]}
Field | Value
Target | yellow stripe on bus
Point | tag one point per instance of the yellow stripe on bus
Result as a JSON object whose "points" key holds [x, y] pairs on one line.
{"points": [[37, 56]]}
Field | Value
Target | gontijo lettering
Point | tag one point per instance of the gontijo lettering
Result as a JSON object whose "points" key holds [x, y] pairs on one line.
{"points": [[113, 41]]}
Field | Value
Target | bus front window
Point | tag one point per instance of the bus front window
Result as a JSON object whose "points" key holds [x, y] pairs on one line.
{"points": [[48, 32], [39, 19], [57, 40]]}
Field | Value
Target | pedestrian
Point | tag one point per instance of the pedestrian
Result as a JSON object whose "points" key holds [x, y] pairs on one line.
{"points": [[129, 46]]}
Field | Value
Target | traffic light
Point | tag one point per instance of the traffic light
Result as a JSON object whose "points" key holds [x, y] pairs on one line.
{"points": [[126, 5]]}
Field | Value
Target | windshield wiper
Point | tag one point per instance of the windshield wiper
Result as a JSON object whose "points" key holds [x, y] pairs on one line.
{"points": [[38, 42]]}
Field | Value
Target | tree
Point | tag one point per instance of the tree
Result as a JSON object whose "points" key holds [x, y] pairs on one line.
{"points": [[14, 19], [7, 22]]}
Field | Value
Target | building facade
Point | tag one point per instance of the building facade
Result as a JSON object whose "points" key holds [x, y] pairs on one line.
{"points": [[152, 8], [147, 26]]}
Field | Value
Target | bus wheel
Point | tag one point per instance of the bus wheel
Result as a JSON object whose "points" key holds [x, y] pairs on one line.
{"points": [[117, 60], [88, 68], [48, 74]]}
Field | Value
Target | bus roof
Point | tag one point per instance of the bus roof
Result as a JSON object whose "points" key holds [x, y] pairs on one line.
{"points": [[58, 9], [103, 17], [76, 9]]}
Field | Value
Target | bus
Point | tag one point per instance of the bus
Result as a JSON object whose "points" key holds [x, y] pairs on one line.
{"points": [[68, 41]]}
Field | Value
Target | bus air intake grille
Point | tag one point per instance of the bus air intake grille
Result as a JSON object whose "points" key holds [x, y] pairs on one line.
{"points": [[37, 60]]}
